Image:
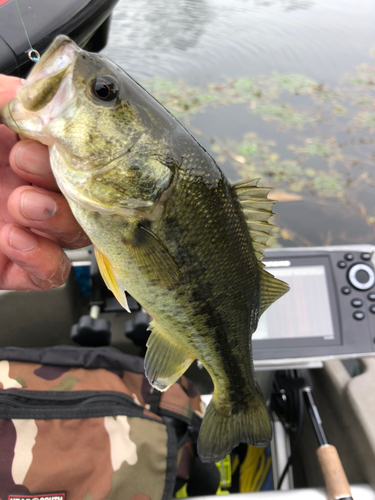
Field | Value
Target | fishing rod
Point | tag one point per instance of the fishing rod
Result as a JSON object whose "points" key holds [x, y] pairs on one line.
{"points": [[333, 472]]}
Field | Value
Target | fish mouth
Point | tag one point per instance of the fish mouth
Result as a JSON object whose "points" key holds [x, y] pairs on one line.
{"points": [[60, 54], [46, 92]]}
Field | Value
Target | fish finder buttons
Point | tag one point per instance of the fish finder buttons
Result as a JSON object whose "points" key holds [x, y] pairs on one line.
{"points": [[361, 276], [329, 310]]}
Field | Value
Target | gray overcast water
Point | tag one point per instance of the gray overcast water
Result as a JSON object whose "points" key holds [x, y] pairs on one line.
{"points": [[204, 39], [332, 150]]}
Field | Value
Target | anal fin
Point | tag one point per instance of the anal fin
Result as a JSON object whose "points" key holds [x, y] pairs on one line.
{"points": [[110, 278], [165, 360]]}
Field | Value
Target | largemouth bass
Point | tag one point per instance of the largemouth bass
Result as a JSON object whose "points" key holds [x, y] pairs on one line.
{"points": [[166, 225]]}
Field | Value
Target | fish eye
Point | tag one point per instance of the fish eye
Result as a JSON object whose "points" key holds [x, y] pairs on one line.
{"points": [[104, 88]]}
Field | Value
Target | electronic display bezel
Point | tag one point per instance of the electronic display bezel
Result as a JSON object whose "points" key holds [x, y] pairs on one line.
{"points": [[263, 348]]}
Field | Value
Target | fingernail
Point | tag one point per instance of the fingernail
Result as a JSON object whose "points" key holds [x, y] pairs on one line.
{"points": [[33, 158], [37, 206], [20, 240]]}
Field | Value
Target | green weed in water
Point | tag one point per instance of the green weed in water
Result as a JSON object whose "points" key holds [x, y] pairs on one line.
{"points": [[305, 114], [365, 119], [295, 83], [364, 76], [282, 113], [328, 184], [315, 147]]}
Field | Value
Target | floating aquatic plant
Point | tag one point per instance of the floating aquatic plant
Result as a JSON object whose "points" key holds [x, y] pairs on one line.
{"points": [[295, 83], [327, 184], [282, 113], [364, 76], [316, 146], [323, 144], [253, 156], [365, 119]]}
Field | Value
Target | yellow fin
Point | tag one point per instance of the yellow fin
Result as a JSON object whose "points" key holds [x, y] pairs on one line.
{"points": [[110, 278], [165, 360], [271, 289]]}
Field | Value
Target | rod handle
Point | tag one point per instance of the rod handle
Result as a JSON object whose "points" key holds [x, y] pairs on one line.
{"points": [[333, 473]]}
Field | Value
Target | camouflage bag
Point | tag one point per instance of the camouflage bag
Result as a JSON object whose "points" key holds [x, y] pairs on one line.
{"points": [[85, 424]]}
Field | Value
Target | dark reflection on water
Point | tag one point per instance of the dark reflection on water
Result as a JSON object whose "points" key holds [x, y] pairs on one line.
{"points": [[272, 89], [205, 39], [181, 26]]}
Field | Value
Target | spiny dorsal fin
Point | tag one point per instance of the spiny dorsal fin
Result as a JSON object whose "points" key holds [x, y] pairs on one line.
{"points": [[250, 189], [257, 209]]}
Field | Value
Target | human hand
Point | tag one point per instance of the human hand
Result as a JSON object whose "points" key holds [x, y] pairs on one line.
{"points": [[35, 219]]}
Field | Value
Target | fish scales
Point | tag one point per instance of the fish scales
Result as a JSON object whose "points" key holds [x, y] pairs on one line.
{"points": [[212, 246], [166, 226]]}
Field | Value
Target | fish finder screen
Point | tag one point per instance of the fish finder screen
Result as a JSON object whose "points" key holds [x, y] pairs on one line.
{"points": [[304, 311]]}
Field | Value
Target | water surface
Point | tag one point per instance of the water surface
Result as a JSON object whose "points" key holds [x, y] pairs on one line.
{"points": [[282, 90]]}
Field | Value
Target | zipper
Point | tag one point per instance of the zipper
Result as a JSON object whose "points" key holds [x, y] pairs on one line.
{"points": [[56, 404], [40, 399]]}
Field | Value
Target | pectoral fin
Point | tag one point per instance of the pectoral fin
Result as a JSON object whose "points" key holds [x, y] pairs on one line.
{"points": [[153, 259], [165, 360], [110, 278]]}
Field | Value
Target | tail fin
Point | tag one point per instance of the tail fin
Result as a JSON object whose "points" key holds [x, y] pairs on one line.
{"points": [[221, 431]]}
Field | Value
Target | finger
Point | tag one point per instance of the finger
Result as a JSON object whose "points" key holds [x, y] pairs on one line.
{"points": [[8, 139], [9, 86], [49, 212], [30, 160], [8, 179], [36, 263]]}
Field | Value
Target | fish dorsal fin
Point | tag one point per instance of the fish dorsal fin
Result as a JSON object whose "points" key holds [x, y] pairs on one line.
{"points": [[271, 289], [110, 278], [257, 209], [165, 360]]}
